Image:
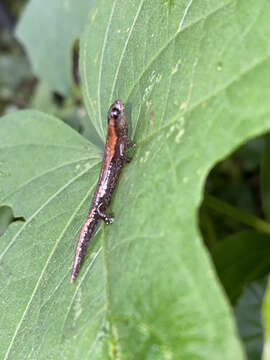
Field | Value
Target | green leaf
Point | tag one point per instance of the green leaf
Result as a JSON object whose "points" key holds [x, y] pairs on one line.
{"points": [[43, 99], [240, 259], [46, 169], [47, 32], [195, 81], [266, 316], [265, 177], [249, 319], [18, 67]]}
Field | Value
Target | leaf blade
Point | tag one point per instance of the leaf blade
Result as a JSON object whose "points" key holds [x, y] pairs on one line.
{"points": [[161, 286]]}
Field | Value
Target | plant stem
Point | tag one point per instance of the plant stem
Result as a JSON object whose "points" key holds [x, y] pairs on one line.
{"points": [[234, 212]]}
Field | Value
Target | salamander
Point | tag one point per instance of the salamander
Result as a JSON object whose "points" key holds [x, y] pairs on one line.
{"points": [[113, 160]]}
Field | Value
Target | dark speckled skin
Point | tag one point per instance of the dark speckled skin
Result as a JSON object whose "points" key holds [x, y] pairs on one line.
{"points": [[113, 161]]}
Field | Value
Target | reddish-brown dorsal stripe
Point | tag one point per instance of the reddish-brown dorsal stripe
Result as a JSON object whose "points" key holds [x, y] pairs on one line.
{"points": [[112, 137]]}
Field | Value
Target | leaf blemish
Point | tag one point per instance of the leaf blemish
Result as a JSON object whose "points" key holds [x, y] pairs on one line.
{"points": [[87, 166], [179, 135], [154, 79], [171, 130], [151, 112], [93, 106], [185, 179], [186, 103], [144, 158], [94, 15], [179, 126], [176, 66]]}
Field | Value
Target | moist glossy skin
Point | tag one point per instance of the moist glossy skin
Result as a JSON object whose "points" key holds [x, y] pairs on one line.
{"points": [[113, 161]]}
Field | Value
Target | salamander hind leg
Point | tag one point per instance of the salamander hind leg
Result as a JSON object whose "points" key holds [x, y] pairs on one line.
{"points": [[107, 218], [126, 158]]}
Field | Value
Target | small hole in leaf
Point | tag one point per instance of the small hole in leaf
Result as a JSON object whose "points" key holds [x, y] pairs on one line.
{"points": [[7, 217]]}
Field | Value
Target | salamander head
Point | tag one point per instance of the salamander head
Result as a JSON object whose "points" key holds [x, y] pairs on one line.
{"points": [[116, 110]]}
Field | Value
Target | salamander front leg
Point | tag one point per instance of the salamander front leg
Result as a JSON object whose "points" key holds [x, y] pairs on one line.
{"points": [[127, 158], [130, 144], [107, 218]]}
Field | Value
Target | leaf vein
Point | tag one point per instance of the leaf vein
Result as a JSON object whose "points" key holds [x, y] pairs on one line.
{"points": [[80, 281], [168, 43], [49, 258], [206, 98], [21, 186], [125, 47]]}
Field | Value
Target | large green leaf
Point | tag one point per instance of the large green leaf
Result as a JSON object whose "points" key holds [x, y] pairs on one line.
{"points": [[265, 177], [48, 30], [195, 80], [266, 313], [248, 316], [240, 259]]}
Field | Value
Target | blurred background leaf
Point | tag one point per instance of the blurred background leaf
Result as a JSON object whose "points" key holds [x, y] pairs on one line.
{"points": [[249, 318], [242, 258], [48, 33]]}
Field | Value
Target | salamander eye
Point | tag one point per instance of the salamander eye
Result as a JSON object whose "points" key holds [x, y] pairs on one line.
{"points": [[115, 112]]}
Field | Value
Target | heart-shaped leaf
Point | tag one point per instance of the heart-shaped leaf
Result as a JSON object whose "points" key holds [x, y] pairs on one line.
{"points": [[195, 80]]}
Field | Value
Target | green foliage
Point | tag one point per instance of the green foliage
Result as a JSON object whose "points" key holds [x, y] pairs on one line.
{"points": [[266, 312], [195, 80], [240, 259], [249, 319], [47, 32], [265, 177]]}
